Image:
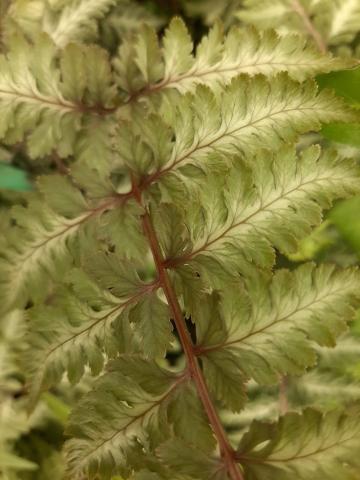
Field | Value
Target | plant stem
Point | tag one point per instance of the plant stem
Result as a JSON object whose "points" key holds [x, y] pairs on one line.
{"points": [[309, 26], [60, 164], [226, 450]]}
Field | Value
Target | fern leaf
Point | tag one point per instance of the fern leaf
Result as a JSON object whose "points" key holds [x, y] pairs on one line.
{"points": [[187, 400], [85, 320], [176, 226], [342, 19], [152, 319], [128, 17], [275, 205], [76, 20], [24, 17], [329, 22], [48, 105], [45, 247], [272, 329], [280, 14], [45, 242], [217, 59], [307, 446], [249, 114], [189, 461], [128, 405], [241, 51], [41, 244], [93, 147]]}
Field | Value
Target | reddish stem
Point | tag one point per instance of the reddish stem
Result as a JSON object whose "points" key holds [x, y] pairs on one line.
{"points": [[227, 452], [309, 26]]}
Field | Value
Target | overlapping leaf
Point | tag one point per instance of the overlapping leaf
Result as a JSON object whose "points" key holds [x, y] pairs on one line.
{"points": [[218, 58], [330, 22], [250, 113], [191, 462], [271, 329], [307, 446], [64, 21], [92, 319], [281, 14], [130, 404], [273, 204], [76, 20], [42, 243], [47, 104], [341, 20], [40, 248], [152, 318]]}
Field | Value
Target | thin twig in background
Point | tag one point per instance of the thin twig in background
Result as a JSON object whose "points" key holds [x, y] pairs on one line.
{"points": [[309, 26]]}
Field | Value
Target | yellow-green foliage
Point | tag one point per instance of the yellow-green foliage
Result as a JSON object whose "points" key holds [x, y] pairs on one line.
{"points": [[181, 181]]}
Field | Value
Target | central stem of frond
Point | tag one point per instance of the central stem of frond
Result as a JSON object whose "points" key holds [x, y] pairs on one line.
{"points": [[226, 450]]}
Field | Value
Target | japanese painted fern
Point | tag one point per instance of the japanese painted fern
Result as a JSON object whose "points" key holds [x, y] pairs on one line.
{"points": [[180, 184]]}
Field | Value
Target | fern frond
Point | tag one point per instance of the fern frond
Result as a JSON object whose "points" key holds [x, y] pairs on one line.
{"points": [[152, 319], [93, 147], [250, 113], [341, 19], [283, 15], [79, 332], [41, 244], [129, 405], [46, 104], [218, 59], [46, 239], [275, 204], [128, 17], [175, 227], [328, 22], [23, 17], [272, 329], [75, 21], [307, 446], [189, 461], [65, 21]]}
